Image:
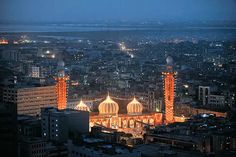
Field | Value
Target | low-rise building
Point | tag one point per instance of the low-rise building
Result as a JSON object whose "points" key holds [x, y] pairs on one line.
{"points": [[29, 126], [58, 124], [32, 147], [217, 101]]}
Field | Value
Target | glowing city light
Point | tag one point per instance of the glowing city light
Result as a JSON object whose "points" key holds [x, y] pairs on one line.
{"points": [[122, 46], [185, 86], [3, 42]]}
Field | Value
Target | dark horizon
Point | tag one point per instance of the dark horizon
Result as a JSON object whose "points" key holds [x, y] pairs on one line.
{"points": [[105, 11], [150, 25], [123, 22]]}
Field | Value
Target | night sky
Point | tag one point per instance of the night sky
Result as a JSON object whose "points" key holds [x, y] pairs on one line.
{"points": [[115, 10]]}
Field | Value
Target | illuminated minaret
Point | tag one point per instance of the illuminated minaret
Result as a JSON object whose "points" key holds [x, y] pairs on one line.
{"points": [[169, 87], [61, 89]]}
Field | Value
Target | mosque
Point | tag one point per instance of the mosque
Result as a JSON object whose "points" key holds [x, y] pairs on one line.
{"points": [[108, 115], [134, 117]]}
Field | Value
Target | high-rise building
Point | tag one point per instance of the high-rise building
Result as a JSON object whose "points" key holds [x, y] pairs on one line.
{"points": [[203, 94], [61, 86], [56, 124], [29, 99], [169, 88]]}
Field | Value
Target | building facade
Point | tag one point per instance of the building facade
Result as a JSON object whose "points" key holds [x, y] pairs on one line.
{"points": [[217, 101], [29, 99]]}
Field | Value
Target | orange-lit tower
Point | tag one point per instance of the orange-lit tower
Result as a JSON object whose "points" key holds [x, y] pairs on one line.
{"points": [[169, 87], [61, 88]]}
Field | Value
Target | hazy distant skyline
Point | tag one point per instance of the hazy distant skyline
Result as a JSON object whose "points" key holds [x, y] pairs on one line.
{"points": [[115, 10]]}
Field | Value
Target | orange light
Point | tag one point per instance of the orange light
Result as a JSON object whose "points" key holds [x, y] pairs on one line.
{"points": [[3, 42], [169, 83], [61, 91]]}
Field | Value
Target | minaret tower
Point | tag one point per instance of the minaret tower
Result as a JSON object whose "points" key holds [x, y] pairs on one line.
{"points": [[61, 88], [169, 87]]}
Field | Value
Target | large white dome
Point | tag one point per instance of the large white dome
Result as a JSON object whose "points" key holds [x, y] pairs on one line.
{"points": [[108, 107], [134, 107]]}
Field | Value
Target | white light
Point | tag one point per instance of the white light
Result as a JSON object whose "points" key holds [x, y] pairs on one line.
{"points": [[47, 51], [205, 115], [185, 86]]}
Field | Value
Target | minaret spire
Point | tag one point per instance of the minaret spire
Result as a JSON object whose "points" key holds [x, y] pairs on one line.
{"points": [[61, 86], [169, 85]]}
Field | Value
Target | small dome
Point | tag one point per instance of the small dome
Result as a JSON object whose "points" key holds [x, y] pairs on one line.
{"points": [[134, 107], [82, 106], [169, 60], [108, 107], [61, 63]]}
